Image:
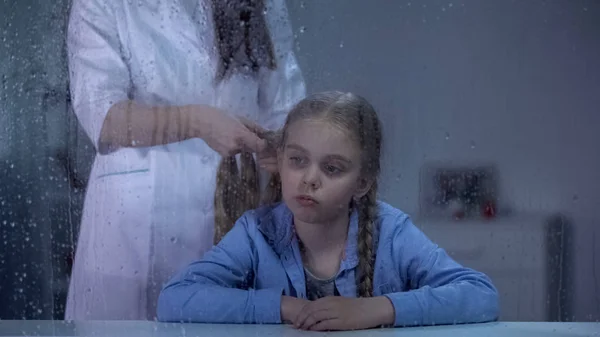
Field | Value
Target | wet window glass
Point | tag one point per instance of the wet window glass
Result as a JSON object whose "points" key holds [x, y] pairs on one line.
{"points": [[135, 134]]}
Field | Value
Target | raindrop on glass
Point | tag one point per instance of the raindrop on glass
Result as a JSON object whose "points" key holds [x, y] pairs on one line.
{"points": [[472, 144]]}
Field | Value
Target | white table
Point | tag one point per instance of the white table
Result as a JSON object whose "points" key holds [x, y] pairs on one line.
{"points": [[151, 329]]}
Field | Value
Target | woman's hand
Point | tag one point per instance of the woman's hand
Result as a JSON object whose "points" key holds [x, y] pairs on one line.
{"points": [[343, 313], [223, 133], [267, 159]]}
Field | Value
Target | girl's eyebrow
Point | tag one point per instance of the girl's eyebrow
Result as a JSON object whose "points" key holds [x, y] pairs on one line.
{"points": [[330, 156], [296, 147]]}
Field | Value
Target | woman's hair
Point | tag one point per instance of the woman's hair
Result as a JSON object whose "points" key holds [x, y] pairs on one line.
{"points": [[242, 37], [236, 193]]}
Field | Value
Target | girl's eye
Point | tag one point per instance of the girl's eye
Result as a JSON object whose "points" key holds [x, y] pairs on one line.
{"points": [[330, 169], [296, 160]]}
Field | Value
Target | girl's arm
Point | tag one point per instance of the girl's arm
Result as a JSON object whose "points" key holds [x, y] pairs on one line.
{"points": [[443, 291], [216, 289]]}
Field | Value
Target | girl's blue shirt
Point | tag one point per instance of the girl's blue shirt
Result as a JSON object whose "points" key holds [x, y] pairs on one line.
{"points": [[242, 279]]}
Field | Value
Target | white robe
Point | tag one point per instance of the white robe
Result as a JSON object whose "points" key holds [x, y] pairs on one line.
{"points": [[149, 211]]}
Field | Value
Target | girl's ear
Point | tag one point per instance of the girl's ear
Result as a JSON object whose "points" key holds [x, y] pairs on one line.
{"points": [[363, 187]]}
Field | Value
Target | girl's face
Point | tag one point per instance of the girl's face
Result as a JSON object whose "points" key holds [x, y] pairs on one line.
{"points": [[320, 171]]}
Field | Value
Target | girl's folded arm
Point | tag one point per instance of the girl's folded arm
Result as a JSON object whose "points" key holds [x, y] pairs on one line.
{"points": [[442, 291], [216, 289]]}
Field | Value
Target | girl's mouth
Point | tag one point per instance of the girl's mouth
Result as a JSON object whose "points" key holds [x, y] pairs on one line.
{"points": [[306, 201]]}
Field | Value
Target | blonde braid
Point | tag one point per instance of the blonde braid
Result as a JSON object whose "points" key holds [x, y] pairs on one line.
{"points": [[250, 184], [226, 195], [272, 193], [367, 215], [234, 193]]}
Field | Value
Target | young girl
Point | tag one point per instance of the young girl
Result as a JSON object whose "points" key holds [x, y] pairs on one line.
{"points": [[329, 256]]}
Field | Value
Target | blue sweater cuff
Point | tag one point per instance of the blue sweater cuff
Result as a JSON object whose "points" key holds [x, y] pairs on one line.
{"points": [[267, 306], [408, 308]]}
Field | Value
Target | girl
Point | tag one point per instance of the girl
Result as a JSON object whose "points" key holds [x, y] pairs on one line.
{"points": [[329, 256]]}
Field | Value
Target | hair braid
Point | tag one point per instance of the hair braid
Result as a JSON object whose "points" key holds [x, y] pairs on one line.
{"points": [[226, 193], [367, 214]]}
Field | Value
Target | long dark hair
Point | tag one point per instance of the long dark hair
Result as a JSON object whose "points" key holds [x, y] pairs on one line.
{"points": [[244, 44], [242, 37]]}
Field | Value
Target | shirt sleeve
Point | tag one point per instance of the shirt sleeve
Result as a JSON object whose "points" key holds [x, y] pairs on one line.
{"points": [[98, 74], [442, 291], [216, 289], [286, 86]]}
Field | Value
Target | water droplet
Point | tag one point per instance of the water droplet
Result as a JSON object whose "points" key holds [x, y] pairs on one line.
{"points": [[302, 5], [302, 29], [398, 177], [342, 44], [447, 136], [575, 197], [472, 144], [173, 239]]}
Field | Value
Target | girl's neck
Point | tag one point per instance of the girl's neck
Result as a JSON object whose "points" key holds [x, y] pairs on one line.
{"points": [[322, 238]]}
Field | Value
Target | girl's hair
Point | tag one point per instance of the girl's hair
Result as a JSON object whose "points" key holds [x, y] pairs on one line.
{"points": [[350, 112], [242, 37]]}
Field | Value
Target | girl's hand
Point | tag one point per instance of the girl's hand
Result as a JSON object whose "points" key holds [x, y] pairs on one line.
{"points": [[343, 313], [290, 307]]}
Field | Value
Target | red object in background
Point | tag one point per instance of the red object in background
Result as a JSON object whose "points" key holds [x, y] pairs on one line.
{"points": [[489, 210]]}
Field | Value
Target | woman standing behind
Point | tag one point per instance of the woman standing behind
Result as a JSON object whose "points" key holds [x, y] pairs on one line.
{"points": [[157, 86]]}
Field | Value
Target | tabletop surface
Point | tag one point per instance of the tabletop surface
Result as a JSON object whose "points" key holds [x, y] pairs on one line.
{"points": [[146, 329]]}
